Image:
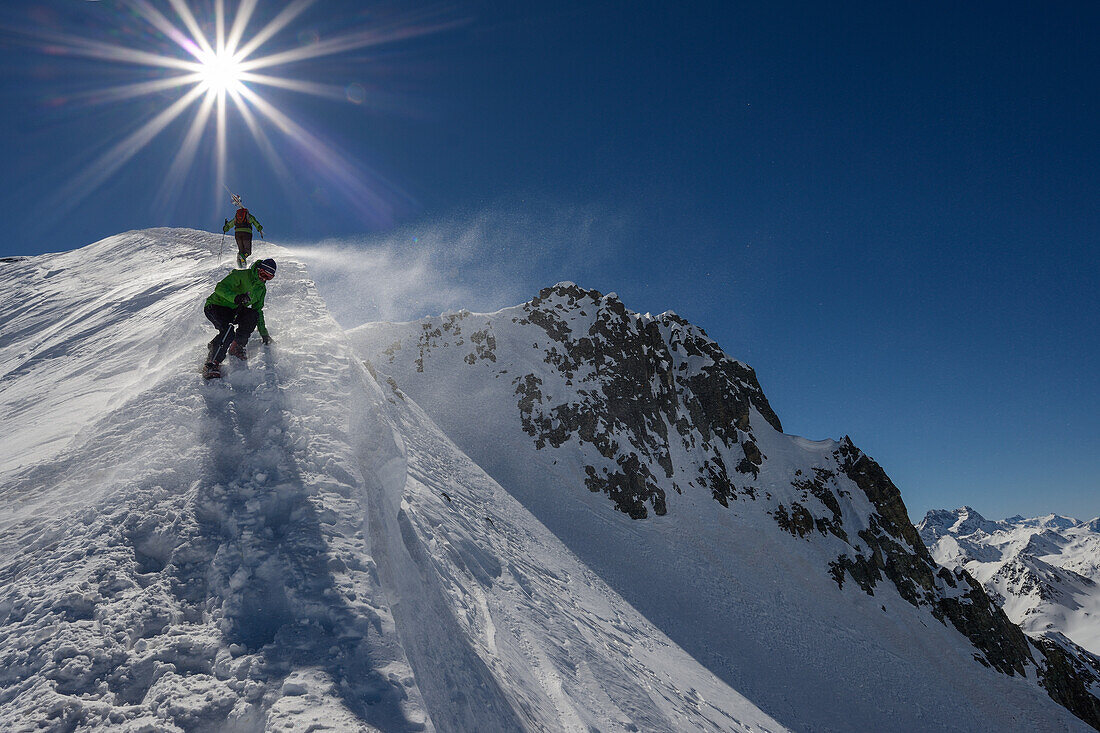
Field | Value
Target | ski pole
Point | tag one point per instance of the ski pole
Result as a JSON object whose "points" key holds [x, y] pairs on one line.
{"points": [[221, 247], [229, 330]]}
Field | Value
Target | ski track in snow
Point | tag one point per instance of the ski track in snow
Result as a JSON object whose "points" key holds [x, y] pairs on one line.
{"points": [[274, 551]]}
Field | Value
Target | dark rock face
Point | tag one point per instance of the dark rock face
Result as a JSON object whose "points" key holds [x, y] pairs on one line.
{"points": [[983, 622], [638, 394], [897, 552], [798, 521], [823, 488], [869, 476], [1068, 674]]}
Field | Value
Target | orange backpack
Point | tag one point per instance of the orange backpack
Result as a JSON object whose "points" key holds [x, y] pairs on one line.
{"points": [[242, 217]]}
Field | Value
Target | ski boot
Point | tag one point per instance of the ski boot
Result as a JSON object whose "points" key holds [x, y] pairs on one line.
{"points": [[238, 350], [242, 260], [211, 370]]}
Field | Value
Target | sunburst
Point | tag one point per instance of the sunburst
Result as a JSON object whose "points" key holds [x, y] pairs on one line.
{"points": [[220, 72], [220, 76]]}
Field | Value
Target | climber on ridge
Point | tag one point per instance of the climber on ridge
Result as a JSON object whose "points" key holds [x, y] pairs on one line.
{"points": [[242, 224], [236, 308]]}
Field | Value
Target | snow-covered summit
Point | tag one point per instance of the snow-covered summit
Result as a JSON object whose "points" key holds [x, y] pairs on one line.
{"points": [[658, 459], [962, 521], [1053, 521]]}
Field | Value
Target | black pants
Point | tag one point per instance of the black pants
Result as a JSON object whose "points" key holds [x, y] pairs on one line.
{"points": [[244, 242], [224, 319]]}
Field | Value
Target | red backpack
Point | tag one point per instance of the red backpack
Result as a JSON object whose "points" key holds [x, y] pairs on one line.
{"points": [[242, 217]]}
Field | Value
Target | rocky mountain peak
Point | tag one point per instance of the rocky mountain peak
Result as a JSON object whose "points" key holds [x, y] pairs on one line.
{"points": [[641, 389], [970, 521], [653, 414], [961, 522], [936, 523], [1057, 522]]}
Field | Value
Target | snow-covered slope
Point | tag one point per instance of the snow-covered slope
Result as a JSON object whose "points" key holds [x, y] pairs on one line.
{"points": [[302, 547], [297, 547], [1044, 572], [786, 566]]}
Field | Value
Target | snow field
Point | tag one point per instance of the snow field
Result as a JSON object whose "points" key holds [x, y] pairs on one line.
{"points": [[552, 641]]}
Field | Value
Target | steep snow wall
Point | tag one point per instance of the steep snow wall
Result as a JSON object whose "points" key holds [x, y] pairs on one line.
{"points": [[296, 546]]}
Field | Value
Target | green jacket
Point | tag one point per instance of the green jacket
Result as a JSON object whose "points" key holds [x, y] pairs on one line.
{"points": [[246, 227], [242, 281]]}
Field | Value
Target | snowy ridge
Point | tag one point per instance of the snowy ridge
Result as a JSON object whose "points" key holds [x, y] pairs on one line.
{"points": [[183, 552], [1044, 571], [776, 561], [296, 547]]}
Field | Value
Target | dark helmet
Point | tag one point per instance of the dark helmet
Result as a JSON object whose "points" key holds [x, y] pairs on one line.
{"points": [[267, 266]]}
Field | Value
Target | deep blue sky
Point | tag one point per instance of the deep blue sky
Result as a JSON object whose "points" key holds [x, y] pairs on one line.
{"points": [[889, 210]]}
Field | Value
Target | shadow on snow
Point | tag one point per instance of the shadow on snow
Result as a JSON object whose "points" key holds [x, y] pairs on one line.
{"points": [[265, 559]]}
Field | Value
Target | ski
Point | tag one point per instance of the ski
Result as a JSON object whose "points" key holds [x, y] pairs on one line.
{"points": [[236, 199]]}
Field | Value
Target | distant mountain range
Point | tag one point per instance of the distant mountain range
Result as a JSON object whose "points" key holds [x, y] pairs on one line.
{"points": [[1044, 572]]}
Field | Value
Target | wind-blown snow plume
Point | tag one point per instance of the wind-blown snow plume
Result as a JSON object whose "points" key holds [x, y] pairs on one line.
{"points": [[486, 260]]}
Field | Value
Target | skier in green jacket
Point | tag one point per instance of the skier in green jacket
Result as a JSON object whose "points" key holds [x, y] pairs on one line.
{"points": [[242, 225], [238, 300]]}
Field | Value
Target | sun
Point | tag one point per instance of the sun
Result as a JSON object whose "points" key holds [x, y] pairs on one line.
{"points": [[220, 72]]}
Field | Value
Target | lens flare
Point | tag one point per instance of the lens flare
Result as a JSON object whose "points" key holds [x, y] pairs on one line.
{"points": [[356, 93], [220, 72], [214, 76]]}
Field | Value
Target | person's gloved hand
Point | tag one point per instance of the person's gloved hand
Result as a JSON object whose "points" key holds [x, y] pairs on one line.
{"points": [[227, 222], [267, 339], [261, 230], [242, 299]]}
